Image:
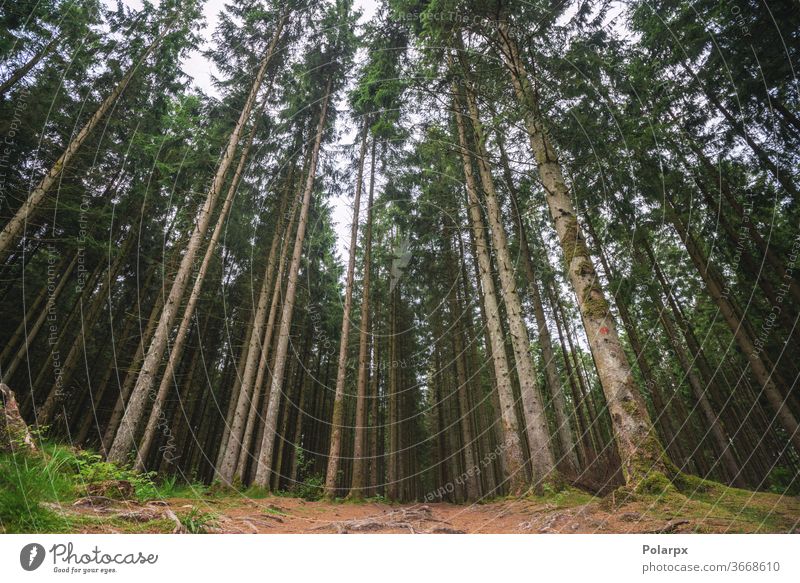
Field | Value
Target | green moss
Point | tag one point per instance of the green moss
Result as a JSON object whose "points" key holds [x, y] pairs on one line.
{"points": [[585, 267], [630, 407], [654, 484], [565, 497], [572, 243]]}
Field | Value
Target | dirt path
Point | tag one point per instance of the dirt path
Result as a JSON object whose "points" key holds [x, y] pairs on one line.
{"points": [[581, 514]]}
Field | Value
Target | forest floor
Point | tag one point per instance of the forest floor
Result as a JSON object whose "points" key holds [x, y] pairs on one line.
{"points": [[716, 509]]}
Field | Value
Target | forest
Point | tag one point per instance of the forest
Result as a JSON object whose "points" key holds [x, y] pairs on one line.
{"points": [[440, 259]]}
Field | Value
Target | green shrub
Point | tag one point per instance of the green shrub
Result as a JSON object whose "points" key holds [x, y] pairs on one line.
{"points": [[311, 489], [784, 481]]}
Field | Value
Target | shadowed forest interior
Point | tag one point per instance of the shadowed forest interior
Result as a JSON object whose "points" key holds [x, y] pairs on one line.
{"points": [[404, 250]]}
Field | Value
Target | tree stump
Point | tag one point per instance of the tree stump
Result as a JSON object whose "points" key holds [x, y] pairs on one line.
{"points": [[14, 433]]}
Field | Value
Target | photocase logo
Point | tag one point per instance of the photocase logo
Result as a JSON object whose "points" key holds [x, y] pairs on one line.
{"points": [[402, 257], [31, 556]]}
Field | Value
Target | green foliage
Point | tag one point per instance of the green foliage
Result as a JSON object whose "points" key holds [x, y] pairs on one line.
{"points": [[311, 489], [197, 522], [92, 469], [27, 482], [784, 481]]}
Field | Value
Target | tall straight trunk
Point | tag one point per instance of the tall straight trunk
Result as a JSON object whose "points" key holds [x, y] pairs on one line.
{"points": [[374, 412], [227, 471], [264, 469], [639, 448], [491, 403], [739, 329], [234, 396], [663, 416], [512, 444], [459, 355], [724, 446], [156, 414], [126, 433], [543, 467], [338, 396], [393, 422], [133, 368], [23, 69], [361, 429], [15, 226], [564, 431], [264, 376]]}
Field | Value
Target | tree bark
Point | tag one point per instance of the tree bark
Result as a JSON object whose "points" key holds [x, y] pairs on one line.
{"points": [[264, 469], [361, 422], [126, 433], [639, 448], [338, 396], [512, 444]]}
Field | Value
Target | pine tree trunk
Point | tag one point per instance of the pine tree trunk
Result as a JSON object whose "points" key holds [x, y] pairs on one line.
{"points": [[264, 468], [361, 425], [20, 72], [263, 369], [248, 448], [739, 329], [133, 371], [638, 445], [512, 444], [156, 413], [543, 466], [126, 433], [227, 471], [564, 430], [56, 395], [459, 353], [15, 226], [338, 396]]}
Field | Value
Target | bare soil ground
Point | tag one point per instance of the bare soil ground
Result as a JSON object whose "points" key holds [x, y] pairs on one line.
{"points": [[718, 510]]}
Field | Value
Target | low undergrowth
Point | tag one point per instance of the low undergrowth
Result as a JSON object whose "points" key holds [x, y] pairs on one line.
{"points": [[32, 484]]}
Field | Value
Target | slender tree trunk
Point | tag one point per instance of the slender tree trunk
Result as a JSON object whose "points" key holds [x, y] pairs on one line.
{"points": [[130, 378], [361, 428], [156, 414], [126, 433], [15, 226], [234, 396], [467, 437], [263, 369], [265, 455], [564, 430], [739, 329], [23, 69], [543, 465], [56, 394], [512, 444], [338, 396]]}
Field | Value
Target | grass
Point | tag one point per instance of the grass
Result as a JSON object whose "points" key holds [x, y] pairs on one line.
{"points": [[564, 498], [59, 475], [197, 522]]}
